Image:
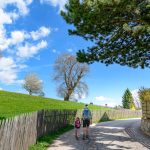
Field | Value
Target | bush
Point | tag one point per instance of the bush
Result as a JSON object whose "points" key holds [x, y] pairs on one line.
{"points": [[144, 94]]}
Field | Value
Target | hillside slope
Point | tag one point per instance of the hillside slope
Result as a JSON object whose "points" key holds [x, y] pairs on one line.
{"points": [[12, 104]]}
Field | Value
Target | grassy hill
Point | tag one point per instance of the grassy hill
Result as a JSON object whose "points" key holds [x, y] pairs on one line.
{"points": [[12, 104]]}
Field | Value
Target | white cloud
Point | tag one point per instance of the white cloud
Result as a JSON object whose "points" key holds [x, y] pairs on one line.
{"points": [[3, 41], [111, 104], [28, 51], [8, 70], [17, 37], [55, 3], [8, 17], [1, 88], [17, 44], [21, 5], [42, 32], [102, 98], [54, 50], [13, 15], [69, 50], [28, 2], [4, 18], [55, 29]]}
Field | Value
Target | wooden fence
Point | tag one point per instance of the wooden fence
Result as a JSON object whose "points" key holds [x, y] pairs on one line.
{"points": [[22, 131], [104, 115]]}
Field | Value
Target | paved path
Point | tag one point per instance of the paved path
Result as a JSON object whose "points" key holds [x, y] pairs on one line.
{"points": [[112, 135]]}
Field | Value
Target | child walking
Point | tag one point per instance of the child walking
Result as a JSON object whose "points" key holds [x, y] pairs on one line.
{"points": [[77, 127]]}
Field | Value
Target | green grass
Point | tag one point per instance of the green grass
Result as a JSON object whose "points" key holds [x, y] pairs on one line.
{"points": [[12, 104], [45, 141]]}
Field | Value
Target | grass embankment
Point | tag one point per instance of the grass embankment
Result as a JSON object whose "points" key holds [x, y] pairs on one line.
{"points": [[12, 104]]}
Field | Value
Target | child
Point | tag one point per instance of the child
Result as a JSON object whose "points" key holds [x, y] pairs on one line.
{"points": [[77, 127]]}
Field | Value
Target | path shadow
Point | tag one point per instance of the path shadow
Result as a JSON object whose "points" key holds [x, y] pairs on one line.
{"points": [[102, 138], [97, 142]]}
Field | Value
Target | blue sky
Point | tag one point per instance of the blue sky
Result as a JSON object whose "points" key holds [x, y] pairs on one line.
{"points": [[33, 34]]}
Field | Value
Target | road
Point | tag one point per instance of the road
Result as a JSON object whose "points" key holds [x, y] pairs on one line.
{"points": [[111, 135]]}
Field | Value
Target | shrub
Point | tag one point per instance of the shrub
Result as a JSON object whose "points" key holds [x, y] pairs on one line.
{"points": [[144, 94]]}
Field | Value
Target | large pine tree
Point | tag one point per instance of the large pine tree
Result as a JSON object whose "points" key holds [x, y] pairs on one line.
{"points": [[118, 29], [127, 100]]}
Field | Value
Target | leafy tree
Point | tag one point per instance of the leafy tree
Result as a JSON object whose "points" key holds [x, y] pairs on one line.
{"points": [[127, 100], [69, 74], [118, 29], [32, 84], [144, 94]]}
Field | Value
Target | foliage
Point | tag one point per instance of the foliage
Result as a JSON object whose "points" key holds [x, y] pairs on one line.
{"points": [[33, 84], [45, 141], [12, 104], [127, 100], [118, 29], [144, 94], [132, 106], [69, 74]]}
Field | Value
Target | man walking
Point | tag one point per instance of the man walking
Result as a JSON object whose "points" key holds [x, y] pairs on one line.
{"points": [[87, 120]]}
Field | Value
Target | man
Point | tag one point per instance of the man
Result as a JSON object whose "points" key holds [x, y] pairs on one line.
{"points": [[87, 120]]}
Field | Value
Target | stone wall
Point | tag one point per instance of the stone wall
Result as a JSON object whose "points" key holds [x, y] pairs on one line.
{"points": [[146, 109], [145, 126], [145, 122]]}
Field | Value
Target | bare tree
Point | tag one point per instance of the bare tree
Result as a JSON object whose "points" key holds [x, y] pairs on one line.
{"points": [[69, 73], [32, 84]]}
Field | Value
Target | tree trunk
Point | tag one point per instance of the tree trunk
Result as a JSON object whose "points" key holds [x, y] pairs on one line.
{"points": [[30, 92], [66, 98]]}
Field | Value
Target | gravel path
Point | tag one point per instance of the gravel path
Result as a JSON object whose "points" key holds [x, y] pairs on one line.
{"points": [[112, 135]]}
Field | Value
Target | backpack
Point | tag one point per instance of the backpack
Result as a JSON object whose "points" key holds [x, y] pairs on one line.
{"points": [[86, 114]]}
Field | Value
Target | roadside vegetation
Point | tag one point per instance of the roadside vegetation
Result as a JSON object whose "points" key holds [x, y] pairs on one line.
{"points": [[144, 94], [45, 141], [127, 100]]}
